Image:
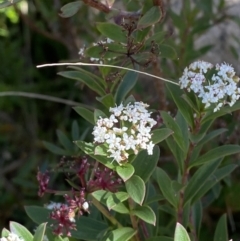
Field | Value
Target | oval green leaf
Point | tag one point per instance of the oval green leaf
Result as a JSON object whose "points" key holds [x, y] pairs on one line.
{"points": [[68, 10], [152, 16], [177, 135], [127, 84], [218, 152], [115, 198], [85, 79], [85, 113], [165, 183], [20, 230], [199, 178], [145, 164], [159, 135], [40, 231], [221, 232], [121, 234], [125, 171], [145, 213], [112, 31], [181, 233], [166, 51], [136, 189]]}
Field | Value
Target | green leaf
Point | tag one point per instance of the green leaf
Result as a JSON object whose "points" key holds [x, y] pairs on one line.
{"points": [[37, 214], [115, 198], [183, 107], [197, 213], [159, 135], [145, 164], [113, 201], [181, 233], [177, 135], [55, 149], [223, 111], [166, 51], [218, 152], [211, 135], [85, 79], [125, 171], [39, 233], [89, 149], [112, 31], [5, 232], [101, 150], [142, 34], [160, 238], [126, 85], [101, 196], [152, 16], [182, 123], [85, 113], [221, 232], [75, 131], [107, 100], [8, 3], [215, 178], [136, 189], [121, 208], [199, 178], [98, 52], [88, 229], [164, 183], [67, 144], [157, 38], [145, 213], [20, 230], [98, 114], [68, 10], [121, 234], [177, 152], [91, 74]]}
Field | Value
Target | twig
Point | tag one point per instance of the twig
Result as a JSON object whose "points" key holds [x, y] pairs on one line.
{"points": [[106, 65], [98, 5], [105, 212], [39, 96]]}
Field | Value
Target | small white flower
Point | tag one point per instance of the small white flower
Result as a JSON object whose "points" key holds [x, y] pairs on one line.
{"points": [[12, 237]]}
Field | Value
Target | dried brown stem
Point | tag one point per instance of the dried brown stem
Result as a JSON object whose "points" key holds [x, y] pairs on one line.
{"points": [[98, 5]]}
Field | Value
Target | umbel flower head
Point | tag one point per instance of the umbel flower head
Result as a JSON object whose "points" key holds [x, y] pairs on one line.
{"points": [[126, 131], [219, 89]]}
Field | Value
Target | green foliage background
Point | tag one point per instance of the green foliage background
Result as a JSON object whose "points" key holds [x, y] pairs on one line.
{"points": [[32, 33]]}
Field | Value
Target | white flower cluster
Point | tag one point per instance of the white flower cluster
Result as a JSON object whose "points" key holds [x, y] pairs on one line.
{"points": [[11, 237], [126, 131], [220, 89]]}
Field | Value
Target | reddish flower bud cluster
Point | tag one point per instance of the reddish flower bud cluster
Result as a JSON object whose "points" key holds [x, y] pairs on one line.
{"points": [[43, 179], [77, 202], [105, 179], [64, 220]]}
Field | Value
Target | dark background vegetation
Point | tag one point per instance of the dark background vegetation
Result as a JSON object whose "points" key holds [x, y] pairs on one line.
{"points": [[33, 33]]}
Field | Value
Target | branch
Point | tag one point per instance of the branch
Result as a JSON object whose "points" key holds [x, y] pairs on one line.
{"points": [[98, 5]]}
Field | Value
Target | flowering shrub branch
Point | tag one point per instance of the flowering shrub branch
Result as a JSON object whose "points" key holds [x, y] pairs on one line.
{"points": [[119, 189]]}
